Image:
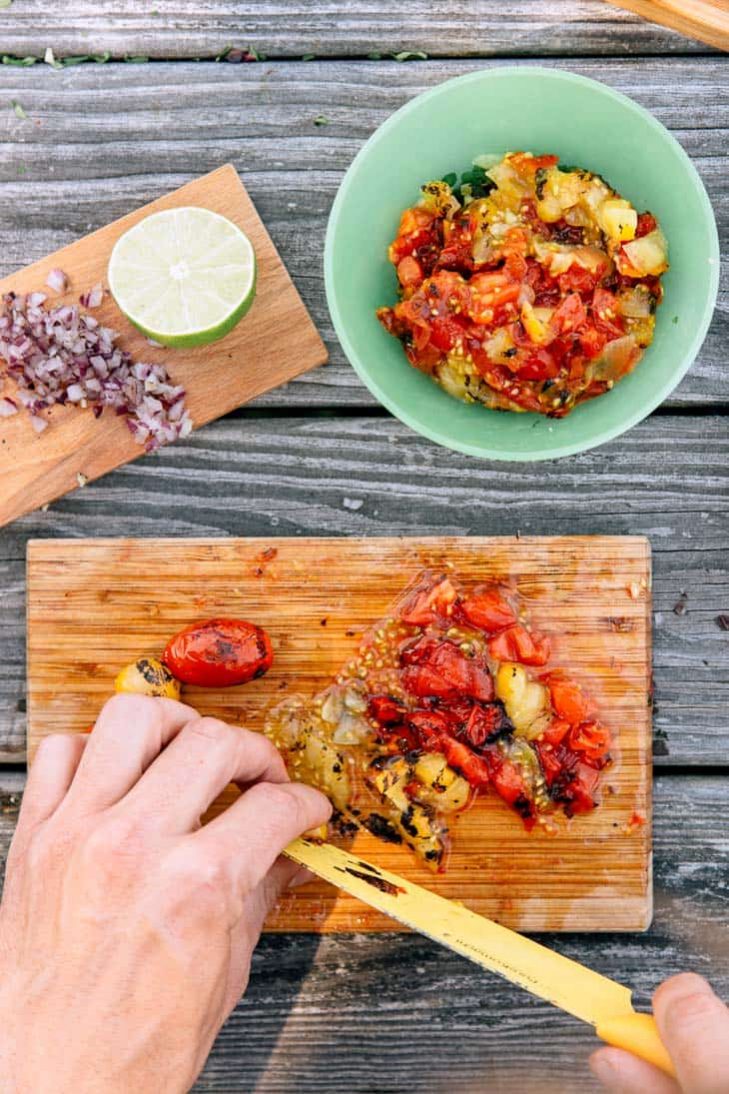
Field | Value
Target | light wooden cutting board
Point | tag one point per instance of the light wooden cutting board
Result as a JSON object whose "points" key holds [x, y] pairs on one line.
{"points": [[275, 342], [707, 20], [94, 605]]}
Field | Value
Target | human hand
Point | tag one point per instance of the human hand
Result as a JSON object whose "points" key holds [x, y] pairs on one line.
{"points": [[694, 1027], [126, 929]]}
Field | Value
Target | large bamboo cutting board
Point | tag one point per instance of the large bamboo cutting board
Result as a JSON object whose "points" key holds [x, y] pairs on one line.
{"points": [[94, 605], [275, 342], [707, 20]]}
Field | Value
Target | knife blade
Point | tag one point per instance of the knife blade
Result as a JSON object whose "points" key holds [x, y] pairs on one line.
{"points": [[583, 993]]}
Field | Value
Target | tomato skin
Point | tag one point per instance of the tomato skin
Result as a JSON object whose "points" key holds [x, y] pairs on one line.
{"points": [[219, 653], [518, 644], [409, 272], [488, 609]]}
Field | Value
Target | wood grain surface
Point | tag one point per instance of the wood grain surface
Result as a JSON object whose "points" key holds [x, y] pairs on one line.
{"points": [[333, 28], [261, 352], [707, 20], [101, 139], [93, 606]]}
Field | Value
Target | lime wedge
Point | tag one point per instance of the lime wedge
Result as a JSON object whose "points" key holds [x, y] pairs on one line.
{"points": [[184, 277]]}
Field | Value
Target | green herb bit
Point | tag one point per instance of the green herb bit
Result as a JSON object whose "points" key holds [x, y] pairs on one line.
{"points": [[18, 110], [321, 119], [410, 55]]}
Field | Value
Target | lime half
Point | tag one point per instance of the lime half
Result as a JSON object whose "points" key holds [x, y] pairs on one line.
{"points": [[184, 277]]}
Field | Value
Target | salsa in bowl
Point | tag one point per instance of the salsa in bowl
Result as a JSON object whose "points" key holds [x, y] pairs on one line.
{"points": [[529, 287], [502, 110]]}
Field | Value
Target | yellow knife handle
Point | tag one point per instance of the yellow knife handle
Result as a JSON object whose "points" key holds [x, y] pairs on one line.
{"points": [[637, 1033]]}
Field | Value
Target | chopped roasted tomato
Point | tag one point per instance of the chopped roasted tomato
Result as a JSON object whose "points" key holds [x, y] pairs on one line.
{"points": [[556, 731], [427, 605], [647, 223], [409, 271], [485, 723], [386, 710], [576, 789], [488, 609], [568, 701], [591, 740], [439, 668], [519, 644]]}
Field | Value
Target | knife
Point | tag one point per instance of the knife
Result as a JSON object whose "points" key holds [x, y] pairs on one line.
{"points": [[587, 995]]}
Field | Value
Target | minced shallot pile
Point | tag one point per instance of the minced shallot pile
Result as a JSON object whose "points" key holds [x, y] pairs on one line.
{"points": [[60, 355]]}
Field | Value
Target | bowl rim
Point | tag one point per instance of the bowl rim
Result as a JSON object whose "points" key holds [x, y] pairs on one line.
{"points": [[601, 436]]}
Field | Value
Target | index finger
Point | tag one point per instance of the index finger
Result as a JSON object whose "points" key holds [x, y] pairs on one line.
{"points": [[130, 732], [694, 1026]]}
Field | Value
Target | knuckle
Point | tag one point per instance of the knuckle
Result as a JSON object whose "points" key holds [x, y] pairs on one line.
{"points": [[114, 843], [212, 731], [198, 885], [276, 801], [129, 709]]}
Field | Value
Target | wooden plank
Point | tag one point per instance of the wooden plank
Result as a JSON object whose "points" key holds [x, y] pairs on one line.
{"points": [[397, 1013], [103, 139], [204, 28], [666, 479], [217, 378], [95, 605], [706, 20]]}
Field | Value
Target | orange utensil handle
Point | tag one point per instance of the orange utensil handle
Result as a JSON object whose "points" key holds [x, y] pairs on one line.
{"points": [[637, 1033]]}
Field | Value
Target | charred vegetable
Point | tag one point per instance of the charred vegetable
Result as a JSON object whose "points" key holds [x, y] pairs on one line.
{"points": [[219, 653], [148, 676]]}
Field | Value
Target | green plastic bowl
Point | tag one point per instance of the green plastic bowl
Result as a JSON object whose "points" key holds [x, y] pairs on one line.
{"points": [[494, 111]]}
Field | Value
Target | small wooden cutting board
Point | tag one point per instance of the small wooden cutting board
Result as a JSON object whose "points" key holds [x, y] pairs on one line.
{"points": [[95, 605], [275, 342], [707, 20]]}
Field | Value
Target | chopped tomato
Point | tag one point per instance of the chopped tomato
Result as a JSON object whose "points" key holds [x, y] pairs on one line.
{"points": [[409, 271], [445, 333], [556, 731], [605, 313], [488, 609], [427, 605], [591, 740], [485, 723], [541, 365], [647, 223], [519, 644], [570, 315], [568, 701], [386, 710], [529, 165], [577, 789], [488, 292], [592, 342], [549, 760], [439, 668], [473, 768]]}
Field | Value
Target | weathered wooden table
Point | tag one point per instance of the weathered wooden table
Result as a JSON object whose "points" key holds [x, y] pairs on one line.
{"points": [[387, 1013]]}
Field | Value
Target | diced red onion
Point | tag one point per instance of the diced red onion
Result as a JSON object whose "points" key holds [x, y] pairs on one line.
{"points": [[60, 355], [57, 280], [93, 297]]}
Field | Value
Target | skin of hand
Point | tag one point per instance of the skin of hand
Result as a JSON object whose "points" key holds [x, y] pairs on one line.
{"points": [[126, 928], [694, 1027]]}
